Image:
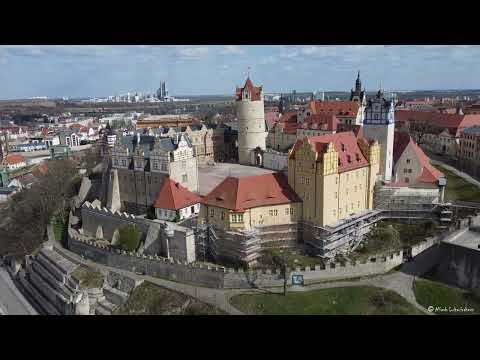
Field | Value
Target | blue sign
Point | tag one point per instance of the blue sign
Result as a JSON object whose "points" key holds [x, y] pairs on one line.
{"points": [[297, 280]]}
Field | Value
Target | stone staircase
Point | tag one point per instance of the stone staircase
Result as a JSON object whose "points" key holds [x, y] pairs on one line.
{"points": [[111, 300]]}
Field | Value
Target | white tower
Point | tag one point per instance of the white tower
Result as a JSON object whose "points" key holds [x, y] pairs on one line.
{"points": [[251, 122], [379, 124]]}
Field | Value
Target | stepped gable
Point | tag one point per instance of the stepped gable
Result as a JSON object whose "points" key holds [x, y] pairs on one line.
{"points": [[173, 196], [350, 156], [238, 194], [255, 91]]}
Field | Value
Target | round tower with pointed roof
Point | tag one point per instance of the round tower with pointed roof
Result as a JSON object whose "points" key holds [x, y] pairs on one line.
{"points": [[251, 122]]}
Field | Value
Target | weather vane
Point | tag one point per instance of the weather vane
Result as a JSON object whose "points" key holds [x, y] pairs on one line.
{"points": [[248, 72]]}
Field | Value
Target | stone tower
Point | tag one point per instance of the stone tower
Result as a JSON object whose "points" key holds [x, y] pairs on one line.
{"points": [[379, 125], [251, 123]]}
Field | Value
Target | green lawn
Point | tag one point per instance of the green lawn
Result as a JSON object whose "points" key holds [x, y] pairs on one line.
{"points": [[459, 189], [443, 297], [88, 277], [361, 300], [150, 299], [294, 258]]}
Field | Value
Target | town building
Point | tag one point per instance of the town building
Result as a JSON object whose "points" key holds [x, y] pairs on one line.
{"points": [[437, 132], [140, 165], [176, 203], [379, 125], [469, 150], [248, 214], [283, 134], [155, 121], [69, 138], [250, 113], [14, 161], [347, 112]]}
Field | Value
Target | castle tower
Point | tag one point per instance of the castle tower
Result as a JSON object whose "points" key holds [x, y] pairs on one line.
{"points": [[379, 125], [251, 122]]}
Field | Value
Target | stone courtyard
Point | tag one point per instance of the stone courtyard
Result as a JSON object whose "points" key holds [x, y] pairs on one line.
{"points": [[209, 176]]}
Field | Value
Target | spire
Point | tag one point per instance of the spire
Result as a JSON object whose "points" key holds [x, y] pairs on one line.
{"points": [[358, 83]]}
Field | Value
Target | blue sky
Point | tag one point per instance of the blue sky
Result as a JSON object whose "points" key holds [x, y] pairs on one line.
{"points": [[100, 70]]}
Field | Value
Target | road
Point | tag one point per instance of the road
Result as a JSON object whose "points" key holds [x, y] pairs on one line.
{"points": [[12, 301]]}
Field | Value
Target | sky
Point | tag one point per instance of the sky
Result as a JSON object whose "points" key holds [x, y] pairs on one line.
{"points": [[101, 70]]}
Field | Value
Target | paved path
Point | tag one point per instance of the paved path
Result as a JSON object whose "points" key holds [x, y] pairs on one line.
{"points": [[12, 302]]}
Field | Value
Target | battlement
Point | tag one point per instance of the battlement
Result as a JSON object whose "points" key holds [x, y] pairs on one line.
{"points": [[105, 211]]}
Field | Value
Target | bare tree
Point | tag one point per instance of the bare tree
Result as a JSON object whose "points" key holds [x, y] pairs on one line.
{"points": [[420, 129]]}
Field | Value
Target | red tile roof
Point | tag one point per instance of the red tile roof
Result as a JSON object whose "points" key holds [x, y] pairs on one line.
{"points": [[453, 123], [271, 118], [323, 121], [339, 108], [12, 159], [243, 193], [429, 173], [173, 196], [349, 154], [288, 122], [255, 91]]}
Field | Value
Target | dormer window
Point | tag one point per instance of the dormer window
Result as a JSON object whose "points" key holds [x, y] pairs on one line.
{"points": [[343, 147]]}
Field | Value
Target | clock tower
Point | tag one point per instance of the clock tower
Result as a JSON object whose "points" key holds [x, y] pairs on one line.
{"points": [[379, 124]]}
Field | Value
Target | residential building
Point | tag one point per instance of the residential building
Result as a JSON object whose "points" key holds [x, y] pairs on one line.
{"points": [[347, 112], [437, 132], [202, 142], [69, 138], [469, 150], [176, 203], [14, 161], [155, 121], [283, 134]]}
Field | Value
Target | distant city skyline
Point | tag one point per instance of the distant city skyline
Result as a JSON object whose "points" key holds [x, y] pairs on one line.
{"points": [[75, 71]]}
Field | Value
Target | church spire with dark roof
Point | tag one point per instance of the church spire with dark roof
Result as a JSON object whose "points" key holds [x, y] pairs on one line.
{"points": [[358, 83]]}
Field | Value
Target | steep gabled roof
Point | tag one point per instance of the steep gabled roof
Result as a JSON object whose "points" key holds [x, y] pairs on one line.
{"points": [[429, 173], [255, 91], [349, 154], [243, 193], [453, 123], [339, 108], [323, 121], [173, 196]]}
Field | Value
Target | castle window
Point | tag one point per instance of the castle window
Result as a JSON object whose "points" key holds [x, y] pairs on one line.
{"points": [[223, 215], [234, 217], [212, 212], [184, 178], [155, 165], [270, 212], [287, 211], [409, 171], [307, 181], [124, 162], [240, 217], [408, 161], [291, 211]]}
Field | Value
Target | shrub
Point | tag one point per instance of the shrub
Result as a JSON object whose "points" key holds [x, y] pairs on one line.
{"points": [[129, 238]]}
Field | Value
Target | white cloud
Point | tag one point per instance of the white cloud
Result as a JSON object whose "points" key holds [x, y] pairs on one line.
{"points": [[232, 50], [268, 60], [192, 51]]}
